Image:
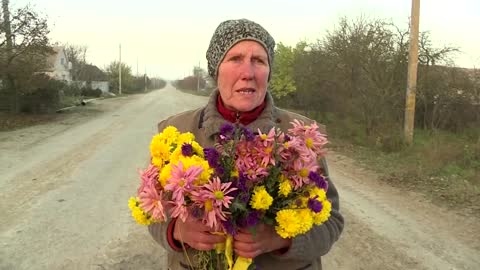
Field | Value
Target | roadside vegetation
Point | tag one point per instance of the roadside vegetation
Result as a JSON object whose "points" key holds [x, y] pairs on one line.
{"points": [[353, 80]]}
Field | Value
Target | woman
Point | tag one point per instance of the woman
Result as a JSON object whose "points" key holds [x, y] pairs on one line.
{"points": [[240, 58]]}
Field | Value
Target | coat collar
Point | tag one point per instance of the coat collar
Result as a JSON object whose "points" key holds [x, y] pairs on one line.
{"points": [[212, 120]]}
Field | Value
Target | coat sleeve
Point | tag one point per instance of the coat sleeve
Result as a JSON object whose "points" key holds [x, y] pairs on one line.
{"points": [[320, 239]]}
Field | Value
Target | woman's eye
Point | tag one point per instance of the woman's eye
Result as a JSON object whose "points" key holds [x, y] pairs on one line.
{"points": [[259, 60], [235, 58]]}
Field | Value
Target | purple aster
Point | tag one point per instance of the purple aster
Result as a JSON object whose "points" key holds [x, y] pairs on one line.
{"points": [[211, 154], [253, 218], [226, 129], [242, 182], [219, 170], [315, 205], [318, 180], [248, 134], [229, 227], [244, 197], [250, 220], [187, 150], [287, 138]]}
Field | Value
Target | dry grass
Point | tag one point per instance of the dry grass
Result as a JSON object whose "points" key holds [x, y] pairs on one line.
{"points": [[16, 121]]}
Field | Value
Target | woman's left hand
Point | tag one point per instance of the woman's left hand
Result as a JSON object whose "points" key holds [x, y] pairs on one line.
{"points": [[264, 240]]}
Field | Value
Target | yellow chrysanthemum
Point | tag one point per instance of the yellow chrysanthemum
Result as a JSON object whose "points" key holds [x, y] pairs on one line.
{"points": [[175, 156], [261, 200], [165, 174], [321, 217], [186, 137], [288, 223], [137, 212], [319, 193], [305, 220], [285, 187], [197, 149], [132, 202], [169, 135], [299, 202], [160, 151]]}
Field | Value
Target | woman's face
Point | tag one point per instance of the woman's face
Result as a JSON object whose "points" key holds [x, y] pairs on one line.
{"points": [[243, 76]]}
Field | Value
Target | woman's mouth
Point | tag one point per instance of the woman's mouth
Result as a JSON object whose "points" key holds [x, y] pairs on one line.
{"points": [[246, 91]]}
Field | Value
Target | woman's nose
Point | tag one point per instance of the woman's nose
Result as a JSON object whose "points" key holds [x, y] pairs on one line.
{"points": [[247, 70]]}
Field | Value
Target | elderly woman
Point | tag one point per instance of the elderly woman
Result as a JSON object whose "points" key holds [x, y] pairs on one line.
{"points": [[240, 58]]}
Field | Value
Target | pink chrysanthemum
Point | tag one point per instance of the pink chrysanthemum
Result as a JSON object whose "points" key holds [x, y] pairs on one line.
{"points": [[212, 197], [264, 146], [178, 210], [148, 176], [151, 202], [182, 181], [249, 160], [313, 140], [302, 170]]}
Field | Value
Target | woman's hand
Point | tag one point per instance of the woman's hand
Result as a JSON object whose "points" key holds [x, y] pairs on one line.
{"points": [[265, 240], [194, 233]]}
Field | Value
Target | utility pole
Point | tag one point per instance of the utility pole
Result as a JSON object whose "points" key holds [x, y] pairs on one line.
{"points": [[412, 73], [145, 79], [120, 71]]}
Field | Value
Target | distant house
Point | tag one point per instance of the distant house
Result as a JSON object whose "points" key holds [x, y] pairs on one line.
{"points": [[90, 76], [57, 66]]}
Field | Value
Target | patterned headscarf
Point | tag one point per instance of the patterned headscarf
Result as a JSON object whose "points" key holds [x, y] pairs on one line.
{"points": [[229, 33]]}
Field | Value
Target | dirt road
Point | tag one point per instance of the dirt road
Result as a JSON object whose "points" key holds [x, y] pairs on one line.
{"points": [[64, 191]]}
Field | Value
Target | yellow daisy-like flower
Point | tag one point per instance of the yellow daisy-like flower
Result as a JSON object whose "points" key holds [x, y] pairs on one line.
{"points": [[186, 137], [175, 155], [137, 212], [169, 135], [205, 175], [132, 202], [319, 193], [197, 149], [305, 220], [299, 202], [319, 218], [285, 187], [165, 174], [288, 223], [261, 200], [160, 151]]}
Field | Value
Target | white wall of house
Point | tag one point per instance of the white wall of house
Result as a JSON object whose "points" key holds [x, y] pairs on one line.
{"points": [[102, 85], [61, 67]]}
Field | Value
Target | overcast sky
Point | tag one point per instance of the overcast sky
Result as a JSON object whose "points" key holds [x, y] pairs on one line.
{"points": [[169, 37]]}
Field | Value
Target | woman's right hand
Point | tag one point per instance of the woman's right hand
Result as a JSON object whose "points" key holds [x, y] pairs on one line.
{"points": [[196, 234]]}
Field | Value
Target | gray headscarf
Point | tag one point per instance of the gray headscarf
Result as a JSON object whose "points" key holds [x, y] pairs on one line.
{"points": [[229, 33]]}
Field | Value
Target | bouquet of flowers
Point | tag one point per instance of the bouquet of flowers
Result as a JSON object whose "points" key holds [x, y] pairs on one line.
{"points": [[244, 180]]}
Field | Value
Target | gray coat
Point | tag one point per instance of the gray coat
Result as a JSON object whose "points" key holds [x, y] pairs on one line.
{"points": [[306, 250]]}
